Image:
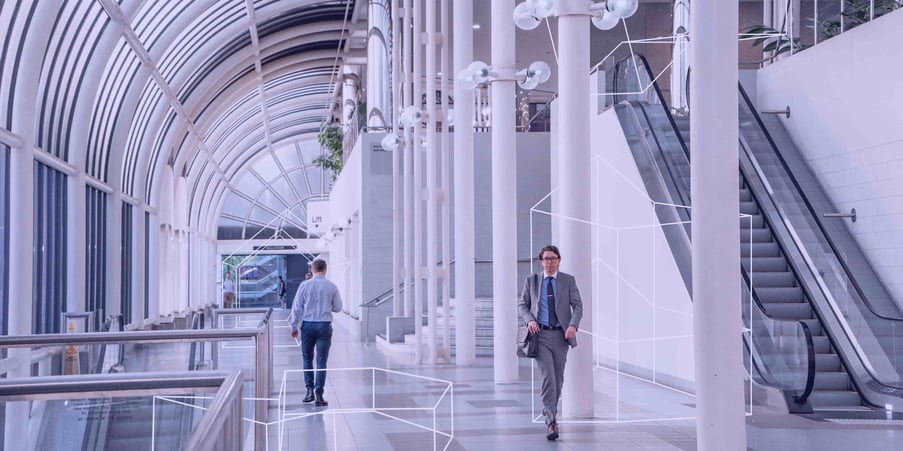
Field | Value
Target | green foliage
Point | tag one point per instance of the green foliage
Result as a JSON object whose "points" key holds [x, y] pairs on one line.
{"points": [[331, 141], [855, 13], [779, 44]]}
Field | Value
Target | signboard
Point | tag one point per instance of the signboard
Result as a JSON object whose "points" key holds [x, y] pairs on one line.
{"points": [[276, 247], [318, 217]]}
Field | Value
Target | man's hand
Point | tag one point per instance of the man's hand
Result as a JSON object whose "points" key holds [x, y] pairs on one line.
{"points": [[533, 327], [571, 332], [294, 333]]}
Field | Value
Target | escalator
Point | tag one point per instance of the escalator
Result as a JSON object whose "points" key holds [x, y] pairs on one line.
{"points": [[801, 269]]}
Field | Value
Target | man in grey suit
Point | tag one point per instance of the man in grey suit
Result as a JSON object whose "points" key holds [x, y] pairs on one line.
{"points": [[550, 305]]}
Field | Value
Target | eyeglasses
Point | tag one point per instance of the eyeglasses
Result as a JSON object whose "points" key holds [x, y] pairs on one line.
{"points": [[550, 259]]}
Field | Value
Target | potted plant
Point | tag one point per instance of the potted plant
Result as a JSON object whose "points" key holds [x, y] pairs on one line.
{"points": [[331, 139]]}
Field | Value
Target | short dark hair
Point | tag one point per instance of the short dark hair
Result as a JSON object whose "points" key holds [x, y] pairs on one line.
{"points": [[318, 265], [549, 248]]}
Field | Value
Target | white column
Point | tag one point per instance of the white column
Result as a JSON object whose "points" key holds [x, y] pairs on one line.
{"points": [[349, 101], [504, 197], [432, 226], [444, 181], [408, 169], [573, 176], [114, 255], [75, 284], [21, 277], [720, 420], [418, 183], [397, 174], [465, 321]]}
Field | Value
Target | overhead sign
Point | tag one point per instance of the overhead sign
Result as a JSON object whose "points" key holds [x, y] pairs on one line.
{"points": [[318, 217], [279, 247]]}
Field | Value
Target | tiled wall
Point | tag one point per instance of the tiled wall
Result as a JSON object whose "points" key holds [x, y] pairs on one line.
{"points": [[847, 118]]}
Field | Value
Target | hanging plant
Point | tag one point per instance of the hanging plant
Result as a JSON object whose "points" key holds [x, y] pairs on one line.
{"points": [[331, 139]]}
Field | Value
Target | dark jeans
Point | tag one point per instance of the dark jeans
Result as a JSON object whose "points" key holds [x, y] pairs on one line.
{"points": [[315, 335]]}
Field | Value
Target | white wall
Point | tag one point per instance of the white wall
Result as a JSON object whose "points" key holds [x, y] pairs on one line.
{"points": [[642, 306], [846, 97]]}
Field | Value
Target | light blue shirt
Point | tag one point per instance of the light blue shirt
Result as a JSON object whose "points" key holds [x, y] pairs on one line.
{"points": [[315, 301], [543, 316]]}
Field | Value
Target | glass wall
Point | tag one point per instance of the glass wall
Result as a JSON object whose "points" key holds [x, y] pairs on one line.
{"points": [[95, 254], [147, 259], [4, 238], [257, 278], [49, 280], [126, 295]]}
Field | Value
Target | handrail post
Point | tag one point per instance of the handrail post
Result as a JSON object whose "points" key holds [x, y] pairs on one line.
{"points": [[261, 389]]}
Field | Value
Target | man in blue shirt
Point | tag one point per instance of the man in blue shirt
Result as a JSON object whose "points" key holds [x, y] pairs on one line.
{"points": [[315, 302]]}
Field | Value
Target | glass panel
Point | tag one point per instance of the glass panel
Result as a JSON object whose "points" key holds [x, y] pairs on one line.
{"points": [[258, 279], [96, 222], [266, 167], [147, 263], [91, 422], [127, 264], [4, 239], [50, 248]]}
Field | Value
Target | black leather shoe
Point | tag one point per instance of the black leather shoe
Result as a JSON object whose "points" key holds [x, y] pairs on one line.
{"points": [[553, 432], [319, 399], [309, 397]]}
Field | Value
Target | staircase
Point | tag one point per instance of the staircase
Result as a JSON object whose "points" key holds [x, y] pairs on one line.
{"points": [[484, 331], [782, 297]]}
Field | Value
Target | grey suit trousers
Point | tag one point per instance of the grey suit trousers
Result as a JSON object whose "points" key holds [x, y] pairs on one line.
{"points": [[553, 353]]}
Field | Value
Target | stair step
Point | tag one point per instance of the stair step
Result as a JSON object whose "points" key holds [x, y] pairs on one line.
{"points": [[761, 249], [835, 399], [782, 310], [770, 295], [836, 381], [765, 264], [827, 362]]}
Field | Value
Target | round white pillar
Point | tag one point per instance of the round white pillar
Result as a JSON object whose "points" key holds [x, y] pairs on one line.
{"points": [[574, 205], [720, 414], [504, 197]]}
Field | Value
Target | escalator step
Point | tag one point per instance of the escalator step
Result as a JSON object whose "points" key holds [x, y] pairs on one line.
{"points": [[834, 399], [765, 264], [757, 221], [827, 362], [769, 295], [794, 311], [773, 279], [758, 235], [822, 344], [837, 381], [748, 208], [814, 327], [745, 195], [766, 249]]}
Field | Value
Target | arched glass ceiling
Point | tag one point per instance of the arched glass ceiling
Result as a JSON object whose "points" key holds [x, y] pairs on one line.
{"points": [[121, 89], [270, 198]]}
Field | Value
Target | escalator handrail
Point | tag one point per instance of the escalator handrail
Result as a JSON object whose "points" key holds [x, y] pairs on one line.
{"points": [[810, 377], [847, 272], [762, 366], [658, 94]]}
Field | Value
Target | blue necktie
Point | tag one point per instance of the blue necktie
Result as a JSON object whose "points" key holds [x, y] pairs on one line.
{"points": [[550, 302]]}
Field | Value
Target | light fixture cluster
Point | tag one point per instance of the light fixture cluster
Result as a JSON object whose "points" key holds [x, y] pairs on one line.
{"points": [[334, 232], [478, 73], [605, 15]]}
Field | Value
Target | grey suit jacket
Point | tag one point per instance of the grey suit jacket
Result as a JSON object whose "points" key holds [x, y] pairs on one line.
{"points": [[568, 305]]}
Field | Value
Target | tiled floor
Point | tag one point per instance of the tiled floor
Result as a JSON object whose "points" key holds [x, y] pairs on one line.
{"points": [[490, 416]]}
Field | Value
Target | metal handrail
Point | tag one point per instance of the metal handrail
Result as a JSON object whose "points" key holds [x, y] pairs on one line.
{"points": [[220, 427], [146, 336]]}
